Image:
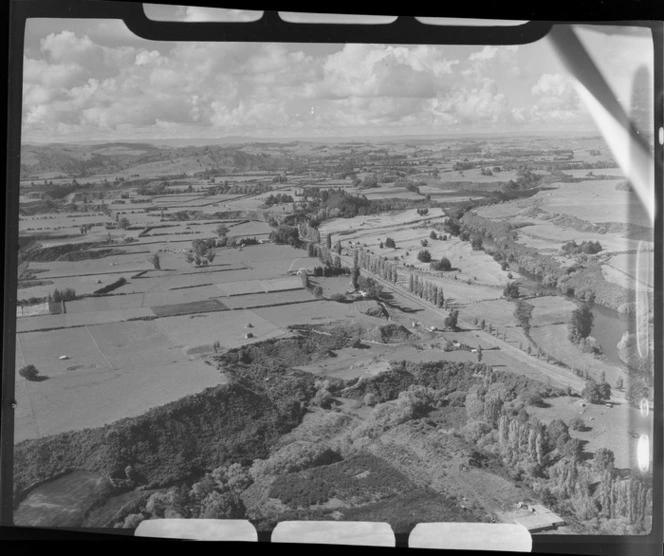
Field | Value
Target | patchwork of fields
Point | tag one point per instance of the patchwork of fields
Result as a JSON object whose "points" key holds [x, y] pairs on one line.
{"points": [[156, 318], [114, 367]]}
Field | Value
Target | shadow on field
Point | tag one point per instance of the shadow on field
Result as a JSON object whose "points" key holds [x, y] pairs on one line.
{"points": [[585, 456], [359, 345], [388, 299]]}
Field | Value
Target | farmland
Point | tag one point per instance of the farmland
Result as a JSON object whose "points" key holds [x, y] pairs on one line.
{"points": [[271, 312]]}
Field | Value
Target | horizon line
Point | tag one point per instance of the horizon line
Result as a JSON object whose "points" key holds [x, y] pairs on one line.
{"points": [[317, 138]]}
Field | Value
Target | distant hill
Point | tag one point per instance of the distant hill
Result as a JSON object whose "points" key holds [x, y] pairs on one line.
{"points": [[81, 161]]}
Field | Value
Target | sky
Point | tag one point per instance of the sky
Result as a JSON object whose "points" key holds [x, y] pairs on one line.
{"points": [[93, 80]]}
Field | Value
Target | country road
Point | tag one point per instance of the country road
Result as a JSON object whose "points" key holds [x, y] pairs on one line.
{"points": [[560, 376]]}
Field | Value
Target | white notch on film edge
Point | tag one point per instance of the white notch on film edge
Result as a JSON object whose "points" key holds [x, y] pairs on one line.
{"points": [[510, 537], [356, 533], [450, 536], [643, 453], [238, 530]]}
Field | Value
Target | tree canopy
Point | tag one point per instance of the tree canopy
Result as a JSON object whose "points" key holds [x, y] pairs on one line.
{"points": [[511, 291], [452, 320], [424, 256], [596, 392], [581, 324]]}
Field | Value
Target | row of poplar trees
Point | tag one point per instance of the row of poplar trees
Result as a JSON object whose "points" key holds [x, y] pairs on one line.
{"points": [[433, 293], [377, 265], [380, 266], [326, 256]]}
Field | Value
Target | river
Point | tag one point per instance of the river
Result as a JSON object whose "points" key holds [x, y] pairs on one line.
{"points": [[608, 325]]}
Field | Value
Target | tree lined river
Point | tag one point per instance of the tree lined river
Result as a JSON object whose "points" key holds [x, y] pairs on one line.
{"points": [[608, 325]]}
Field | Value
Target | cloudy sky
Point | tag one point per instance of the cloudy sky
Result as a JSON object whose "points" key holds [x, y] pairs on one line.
{"points": [[94, 80]]}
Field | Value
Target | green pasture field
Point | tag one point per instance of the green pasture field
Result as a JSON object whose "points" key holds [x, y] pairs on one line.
{"points": [[389, 191], [48, 322], [113, 371], [379, 222], [274, 298], [240, 288], [189, 308], [477, 266], [135, 344], [597, 201], [107, 303], [130, 262], [551, 309], [43, 349], [622, 268], [218, 274], [63, 221], [260, 286], [498, 312], [306, 313], [93, 399], [250, 229], [226, 327], [147, 282], [162, 298], [616, 428], [553, 339], [82, 285], [549, 238]]}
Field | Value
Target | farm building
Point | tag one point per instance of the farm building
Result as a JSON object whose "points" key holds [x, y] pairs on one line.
{"points": [[539, 518]]}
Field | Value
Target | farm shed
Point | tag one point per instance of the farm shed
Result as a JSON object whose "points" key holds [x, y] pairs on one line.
{"points": [[539, 518]]}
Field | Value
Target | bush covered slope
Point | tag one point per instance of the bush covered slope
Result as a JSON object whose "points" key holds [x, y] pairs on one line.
{"points": [[229, 423]]}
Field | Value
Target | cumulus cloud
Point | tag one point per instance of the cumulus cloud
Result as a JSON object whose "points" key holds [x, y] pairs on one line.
{"points": [[482, 103], [231, 85], [556, 86], [145, 57], [75, 85], [493, 58], [555, 102], [66, 47], [489, 52], [372, 71]]}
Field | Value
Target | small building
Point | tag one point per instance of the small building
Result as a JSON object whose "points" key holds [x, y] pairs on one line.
{"points": [[538, 518]]}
